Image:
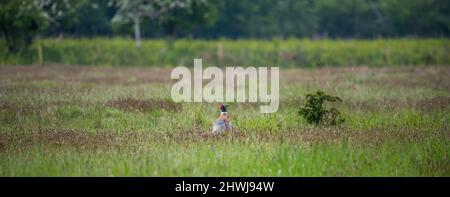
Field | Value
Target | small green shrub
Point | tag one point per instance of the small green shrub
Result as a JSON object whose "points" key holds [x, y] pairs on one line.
{"points": [[314, 112]]}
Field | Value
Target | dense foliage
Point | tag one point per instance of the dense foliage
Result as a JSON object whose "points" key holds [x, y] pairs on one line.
{"points": [[22, 20], [278, 18]]}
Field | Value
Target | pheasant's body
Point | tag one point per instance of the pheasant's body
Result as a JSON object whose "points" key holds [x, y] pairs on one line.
{"points": [[223, 123], [221, 127]]}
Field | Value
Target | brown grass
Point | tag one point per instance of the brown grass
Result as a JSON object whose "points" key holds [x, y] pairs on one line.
{"points": [[414, 77], [132, 104], [80, 139], [61, 137], [25, 108], [100, 75], [435, 103], [434, 77], [18, 108], [439, 103]]}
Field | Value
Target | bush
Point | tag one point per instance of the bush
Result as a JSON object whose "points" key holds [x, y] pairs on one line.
{"points": [[19, 23], [314, 112]]}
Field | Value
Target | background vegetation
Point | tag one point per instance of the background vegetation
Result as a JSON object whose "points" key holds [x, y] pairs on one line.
{"points": [[22, 21], [283, 53], [273, 18]]}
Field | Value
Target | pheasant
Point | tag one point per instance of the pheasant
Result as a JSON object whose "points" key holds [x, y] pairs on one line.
{"points": [[223, 123]]}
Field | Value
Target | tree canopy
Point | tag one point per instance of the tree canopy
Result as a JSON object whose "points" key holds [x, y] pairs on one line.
{"points": [[21, 20], [278, 18]]}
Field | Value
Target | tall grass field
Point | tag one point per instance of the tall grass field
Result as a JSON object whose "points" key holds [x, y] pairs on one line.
{"points": [[61, 120], [284, 53]]}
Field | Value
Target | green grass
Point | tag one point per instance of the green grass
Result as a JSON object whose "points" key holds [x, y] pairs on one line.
{"points": [[59, 123], [283, 53], [231, 159]]}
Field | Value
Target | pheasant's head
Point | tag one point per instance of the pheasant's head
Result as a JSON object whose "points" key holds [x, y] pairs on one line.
{"points": [[223, 109]]}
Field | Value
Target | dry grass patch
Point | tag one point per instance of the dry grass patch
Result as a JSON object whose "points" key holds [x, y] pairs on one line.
{"points": [[132, 104], [98, 75]]}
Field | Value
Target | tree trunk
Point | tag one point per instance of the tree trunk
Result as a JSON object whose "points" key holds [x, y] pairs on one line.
{"points": [[137, 31]]}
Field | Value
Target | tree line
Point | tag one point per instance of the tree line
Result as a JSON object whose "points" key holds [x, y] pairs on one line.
{"points": [[22, 20]]}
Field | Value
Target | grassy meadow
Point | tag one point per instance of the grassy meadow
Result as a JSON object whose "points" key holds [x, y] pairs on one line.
{"points": [[58, 120], [288, 53]]}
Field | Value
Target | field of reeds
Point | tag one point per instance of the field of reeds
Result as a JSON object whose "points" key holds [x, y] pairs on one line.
{"points": [[284, 53], [109, 121]]}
